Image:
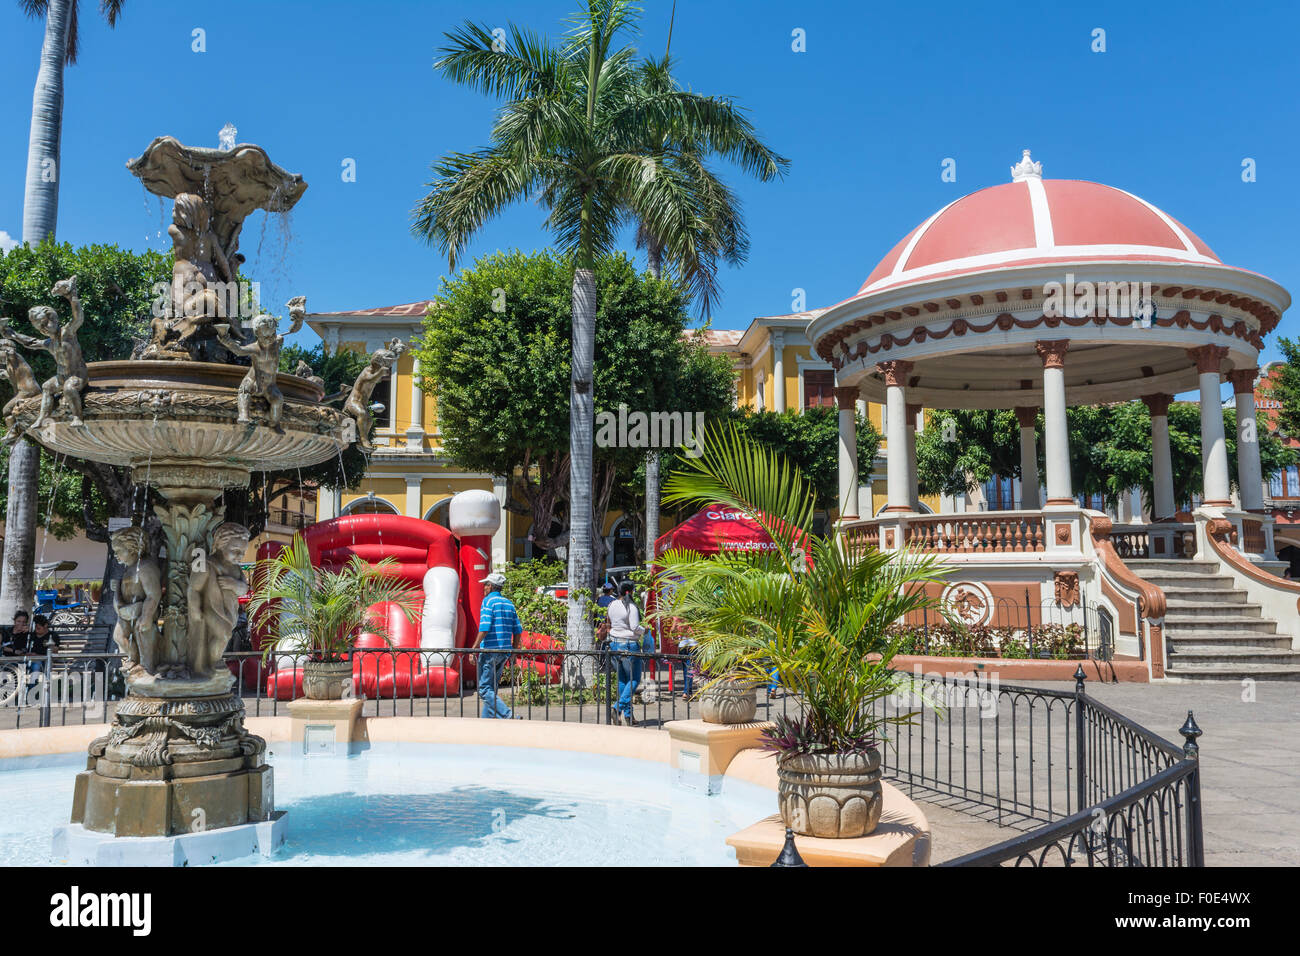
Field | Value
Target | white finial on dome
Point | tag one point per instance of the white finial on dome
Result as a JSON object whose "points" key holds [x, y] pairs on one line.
{"points": [[1026, 169]]}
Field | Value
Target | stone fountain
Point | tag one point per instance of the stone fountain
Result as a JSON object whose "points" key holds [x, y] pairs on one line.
{"points": [[198, 409]]}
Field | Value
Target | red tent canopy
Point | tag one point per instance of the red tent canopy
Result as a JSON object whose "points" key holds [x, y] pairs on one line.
{"points": [[715, 529]]}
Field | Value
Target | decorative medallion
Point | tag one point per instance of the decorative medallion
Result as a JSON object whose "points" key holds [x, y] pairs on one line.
{"points": [[971, 601], [1067, 588]]}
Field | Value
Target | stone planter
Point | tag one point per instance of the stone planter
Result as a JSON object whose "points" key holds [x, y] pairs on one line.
{"points": [[325, 680], [728, 702], [830, 795]]}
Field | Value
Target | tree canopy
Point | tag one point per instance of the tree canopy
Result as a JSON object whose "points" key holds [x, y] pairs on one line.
{"points": [[495, 355], [1285, 388]]}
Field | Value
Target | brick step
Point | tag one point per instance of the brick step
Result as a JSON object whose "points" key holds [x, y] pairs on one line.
{"points": [[1210, 610], [1197, 641], [1204, 596], [1214, 655], [1235, 672], [1177, 624], [1217, 582], [1144, 566]]}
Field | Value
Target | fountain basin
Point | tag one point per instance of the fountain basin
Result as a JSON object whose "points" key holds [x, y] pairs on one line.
{"points": [[158, 416]]}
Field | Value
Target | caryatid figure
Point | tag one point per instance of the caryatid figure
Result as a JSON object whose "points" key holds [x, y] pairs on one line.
{"points": [[212, 596], [138, 595]]}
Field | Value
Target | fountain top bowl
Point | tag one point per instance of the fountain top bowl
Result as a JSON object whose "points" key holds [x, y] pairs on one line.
{"points": [[234, 181]]}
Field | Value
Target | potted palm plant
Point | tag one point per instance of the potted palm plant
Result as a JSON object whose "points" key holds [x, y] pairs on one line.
{"points": [[805, 612], [317, 613]]}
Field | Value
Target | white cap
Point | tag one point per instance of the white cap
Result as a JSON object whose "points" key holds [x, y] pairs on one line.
{"points": [[496, 577]]}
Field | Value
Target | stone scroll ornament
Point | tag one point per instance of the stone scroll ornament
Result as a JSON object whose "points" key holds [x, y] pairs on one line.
{"points": [[357, 407], [62, 392], [264, 351], [137, 598]]}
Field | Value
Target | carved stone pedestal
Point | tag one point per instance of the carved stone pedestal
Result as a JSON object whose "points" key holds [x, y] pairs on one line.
{"points": [[174, 765]]}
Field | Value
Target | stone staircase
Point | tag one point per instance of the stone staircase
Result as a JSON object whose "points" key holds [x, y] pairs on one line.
{"points": [[1212, 630]]}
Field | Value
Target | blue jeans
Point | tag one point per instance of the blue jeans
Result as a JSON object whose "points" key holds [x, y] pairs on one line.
{"points": [[489, 677], [641, 665], [628, 675]]}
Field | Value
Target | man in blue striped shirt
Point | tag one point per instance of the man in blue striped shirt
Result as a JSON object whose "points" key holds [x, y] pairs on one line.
{"points": [[498, 629]]}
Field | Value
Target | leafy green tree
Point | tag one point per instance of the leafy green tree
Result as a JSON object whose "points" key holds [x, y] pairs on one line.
{"points": [[959, 450], [573, 133], [495, 348], [1285, 388], [118, 291]]}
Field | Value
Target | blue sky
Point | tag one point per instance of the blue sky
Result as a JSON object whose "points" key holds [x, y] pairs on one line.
{"points": [[883, 94]]}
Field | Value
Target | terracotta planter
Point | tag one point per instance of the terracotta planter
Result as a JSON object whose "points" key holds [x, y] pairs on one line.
{"points": [[325, 680], [728, 702], [830, 795]]}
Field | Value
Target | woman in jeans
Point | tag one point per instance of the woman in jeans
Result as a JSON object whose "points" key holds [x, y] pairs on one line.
{"points": [[625, 632]]}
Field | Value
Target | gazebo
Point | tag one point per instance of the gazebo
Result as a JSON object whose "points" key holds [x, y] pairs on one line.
{"points": [[1039, 294]]}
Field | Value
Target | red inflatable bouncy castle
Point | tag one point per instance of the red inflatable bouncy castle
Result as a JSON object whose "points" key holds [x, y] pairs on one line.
{"points": [[446, 567]]}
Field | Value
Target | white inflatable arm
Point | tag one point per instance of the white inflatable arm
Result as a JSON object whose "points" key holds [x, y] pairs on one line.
{"points": [[474, 512], [441, 601]]}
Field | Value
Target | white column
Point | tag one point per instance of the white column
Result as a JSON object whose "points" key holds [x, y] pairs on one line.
{"points": [[413, 502], [778, 369], [1250, 475], [1214, 444], [415, 433], [1163, 506], [1027, 415], [913, 489], [845, 397], [1056, 438], [898, 471]]}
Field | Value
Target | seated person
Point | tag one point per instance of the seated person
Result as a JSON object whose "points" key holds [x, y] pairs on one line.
{"points": [[15, 639], [42, 637]]}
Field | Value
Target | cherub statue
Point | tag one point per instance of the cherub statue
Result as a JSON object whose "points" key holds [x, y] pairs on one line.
{"points": [[212, 595], [303, 370], [264, 351], [19, 375], [70, 372], [358, 404], [138, 595], [200, 262]]}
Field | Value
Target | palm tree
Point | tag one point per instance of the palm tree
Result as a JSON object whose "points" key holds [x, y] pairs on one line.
{"points": [[572, 134], [40, 214]]}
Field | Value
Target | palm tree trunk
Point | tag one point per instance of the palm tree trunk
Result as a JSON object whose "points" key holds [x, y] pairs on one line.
{"points": [[40, 214], [17, 589], [581, 425], [654, 262], [41, 199]]}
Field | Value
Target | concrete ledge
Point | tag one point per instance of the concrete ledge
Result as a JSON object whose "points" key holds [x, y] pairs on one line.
{"points": [[637, 743], [700, 752], [902, 838], [318, 726], [1007, 668], [75, 844]]}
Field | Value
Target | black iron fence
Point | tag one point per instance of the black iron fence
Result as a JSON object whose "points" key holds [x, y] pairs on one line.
{"points": [[1082, 784], [979, 625]]}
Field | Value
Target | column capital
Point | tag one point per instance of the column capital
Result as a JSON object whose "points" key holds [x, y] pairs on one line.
{"points": [[1052, 352], [1243, 380], [1208, 358], [1157, 404], [778, 338], [846, 397], [895, 372], [1027, 415], [912, 412]]}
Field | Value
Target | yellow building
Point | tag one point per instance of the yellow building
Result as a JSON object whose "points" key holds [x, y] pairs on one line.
{"points": [[409, 473]]}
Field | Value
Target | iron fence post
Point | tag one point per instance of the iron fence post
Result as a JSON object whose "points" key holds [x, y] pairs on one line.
{"points": [[1029, 623], [1080, 751], [49, 686], [1195, 841], [609, 717], [925, 629]]}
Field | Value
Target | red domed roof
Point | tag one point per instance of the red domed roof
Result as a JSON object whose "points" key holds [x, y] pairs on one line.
{"points": [[1035, 221]]}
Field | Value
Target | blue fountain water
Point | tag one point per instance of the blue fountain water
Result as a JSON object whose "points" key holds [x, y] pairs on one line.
{"points": [[445, 805]]}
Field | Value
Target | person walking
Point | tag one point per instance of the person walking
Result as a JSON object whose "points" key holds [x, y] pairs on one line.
{"points": [[498, 630], [625, 632]]}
